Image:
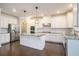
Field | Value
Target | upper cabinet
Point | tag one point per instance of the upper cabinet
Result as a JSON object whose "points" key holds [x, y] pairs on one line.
{"points": [[0, 11], [7, 19], [58, 21], [75, 15], [0, 17], [69, 19]]}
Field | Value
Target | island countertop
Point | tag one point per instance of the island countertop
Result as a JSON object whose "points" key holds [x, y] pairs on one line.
{"points": [[37, 35]]}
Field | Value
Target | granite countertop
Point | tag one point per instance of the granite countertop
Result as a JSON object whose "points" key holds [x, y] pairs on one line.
{"points": [[73, 37], [77, 33], [32, 35], [4, 33]]}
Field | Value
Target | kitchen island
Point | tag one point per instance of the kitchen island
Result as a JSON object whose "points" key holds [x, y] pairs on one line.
{"points": [[33, 41]]}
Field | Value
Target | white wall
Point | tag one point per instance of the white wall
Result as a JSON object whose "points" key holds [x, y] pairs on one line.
{"points": [[7, 19]]}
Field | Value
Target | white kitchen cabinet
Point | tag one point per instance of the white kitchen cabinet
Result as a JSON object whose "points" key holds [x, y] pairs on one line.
{"points": [[69, 19], [59, 22], [72, 47], [7, 19], [0, 17], [77, 15], [76, 18], [54, 37], [4, 38]]}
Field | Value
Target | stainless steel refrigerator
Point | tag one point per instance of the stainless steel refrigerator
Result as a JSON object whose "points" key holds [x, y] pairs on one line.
{"points": [[13, 32]]}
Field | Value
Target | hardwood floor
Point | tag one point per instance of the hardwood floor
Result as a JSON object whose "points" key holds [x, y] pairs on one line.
{"points": [[15, 49]]}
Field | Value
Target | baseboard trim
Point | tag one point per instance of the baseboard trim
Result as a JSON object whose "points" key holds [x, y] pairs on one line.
{"points": [[5, 43], [14, 41], [55, 43], [9, 42]]}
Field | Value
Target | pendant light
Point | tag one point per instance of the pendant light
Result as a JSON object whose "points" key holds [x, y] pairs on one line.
{"points": [[36, 20]]}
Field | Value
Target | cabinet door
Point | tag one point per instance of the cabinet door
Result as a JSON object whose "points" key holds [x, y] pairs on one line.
{"points": [[3, 22], [0, 38], [70, 19], [77, 15], [5, 38], [73, 47], [76, 19], [59, 22]]}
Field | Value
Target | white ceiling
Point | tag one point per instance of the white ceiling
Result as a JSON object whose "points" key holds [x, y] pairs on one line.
{"points": [[43, 8]]}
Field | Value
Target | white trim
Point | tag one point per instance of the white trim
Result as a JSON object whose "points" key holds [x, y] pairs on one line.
{"points": [[0, 45]]}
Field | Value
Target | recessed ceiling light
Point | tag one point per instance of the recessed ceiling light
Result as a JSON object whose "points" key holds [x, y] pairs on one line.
{"points": [[14, 10], [75, 8], [70, 5], [58, 12]]}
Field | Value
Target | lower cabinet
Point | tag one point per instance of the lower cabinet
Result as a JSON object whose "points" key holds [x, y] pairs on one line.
{"points": [[54, 38], [4, 38], [72, 47]]}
